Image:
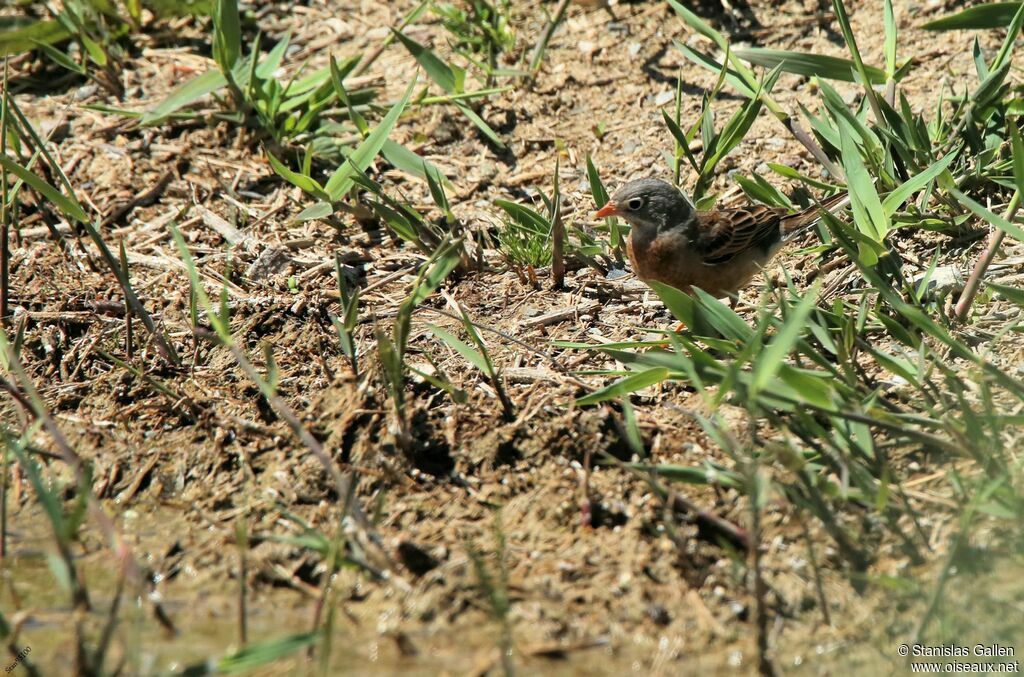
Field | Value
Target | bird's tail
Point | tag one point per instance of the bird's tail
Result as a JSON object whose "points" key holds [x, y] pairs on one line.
{"points": [[797, 223]]}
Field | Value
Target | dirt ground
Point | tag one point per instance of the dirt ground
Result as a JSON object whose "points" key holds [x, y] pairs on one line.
{"points": [[635, 589]]}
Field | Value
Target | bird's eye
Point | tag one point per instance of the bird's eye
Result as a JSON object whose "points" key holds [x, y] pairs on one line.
{"points": [[634, 203]]}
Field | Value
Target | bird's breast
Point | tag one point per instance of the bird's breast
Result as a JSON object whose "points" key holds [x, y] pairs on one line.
{"points": [[669, 258]]}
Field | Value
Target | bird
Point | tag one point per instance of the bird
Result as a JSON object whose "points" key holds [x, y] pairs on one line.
{"points": [[719, 251]]}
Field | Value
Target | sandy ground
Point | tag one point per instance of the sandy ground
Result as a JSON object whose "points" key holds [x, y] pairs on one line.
{"points": [[625, 587]]}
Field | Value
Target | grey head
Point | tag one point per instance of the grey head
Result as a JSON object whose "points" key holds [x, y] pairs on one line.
{"points": [[651, 205]]}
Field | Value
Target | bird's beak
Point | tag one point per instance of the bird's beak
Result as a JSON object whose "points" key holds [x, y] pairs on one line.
{"points": [[608, 210]]}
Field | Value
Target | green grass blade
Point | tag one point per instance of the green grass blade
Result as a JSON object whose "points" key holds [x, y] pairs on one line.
{"points": [[896, 198], [272, 61], [342, 180], [227, 34], [445, 262], [60, 58], [990, 15], [462, 348], [68, 205], [867, 208], [411, 163], [1017, 146], [438, 70], [525, 216], [999, 222], [258, 655], [318, 210], [733, 77], [708, 475], [1012, 33], [305, 183], [770, 359], [1011, 294], [480, 123], [185, 95], [622, 387], [26, 37], [597, 189], [801, 63], [891, 38]]}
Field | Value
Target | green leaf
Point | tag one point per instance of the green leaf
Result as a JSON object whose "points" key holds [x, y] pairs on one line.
{"points": [[227, 34], [172, 8], [23, 38], [257, 655], [823, 126], [806, 386], [843, 19], [762, 191], [999, 222], [68, 205], [462, 348], [480, 123], [265, 69], [597, 189], [709, 475], [732, 76], [682, 142], [867, 208], [991, 88], [840, 111], [736, 127], [801, 63], [991, 15], [320, 210], [396, 221], [437, 69], [891, 37], [525, 216], [896, 198], [409, 162], [1011, 294], [445, 263], [683, 308], [338, 74], [700, 25], [94, 50], [630, 384], [61, 59], [342, 180], [790, 173], [185, 95], [305, 183], [725, 320], [1017, 145], [770, 359], [1012, 33], [451, 80]]}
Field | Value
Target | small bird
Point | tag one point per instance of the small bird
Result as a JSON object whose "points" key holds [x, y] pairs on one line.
{"points": [[718, 251]]}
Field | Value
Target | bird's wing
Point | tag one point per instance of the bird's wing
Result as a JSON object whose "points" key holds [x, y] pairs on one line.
{"points": [[791, 225], [722, 234]]}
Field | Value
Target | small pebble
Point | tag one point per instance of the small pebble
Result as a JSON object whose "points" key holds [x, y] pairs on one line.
{"points": [[616, 274], [664, 98], [659, 614], [85, 92]]}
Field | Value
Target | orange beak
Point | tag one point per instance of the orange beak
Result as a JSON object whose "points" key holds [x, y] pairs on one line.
{"points": [[608, 210]]}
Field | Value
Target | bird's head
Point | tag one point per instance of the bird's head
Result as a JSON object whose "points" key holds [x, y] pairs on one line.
{"points": [[650, 205]]}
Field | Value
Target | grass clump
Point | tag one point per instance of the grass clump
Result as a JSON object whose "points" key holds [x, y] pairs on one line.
{"points": [[525, 241]]}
